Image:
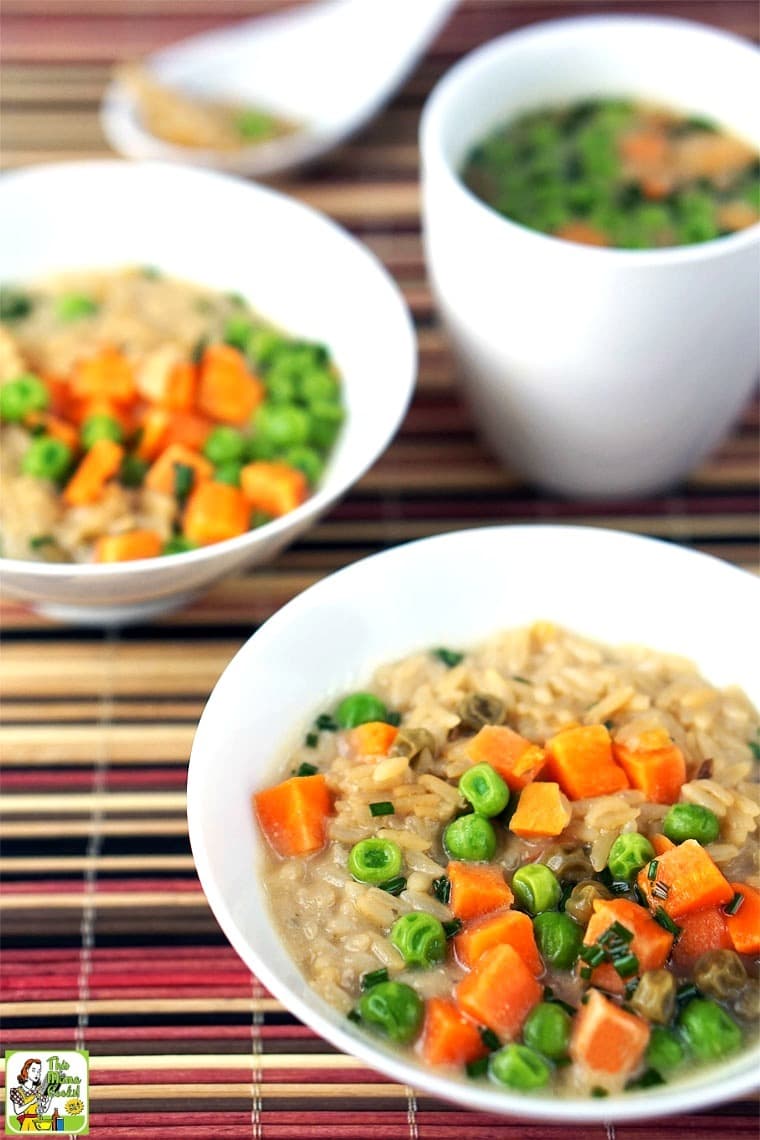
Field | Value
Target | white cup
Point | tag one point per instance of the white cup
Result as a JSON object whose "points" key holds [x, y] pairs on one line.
{"points": [[592, 371]]}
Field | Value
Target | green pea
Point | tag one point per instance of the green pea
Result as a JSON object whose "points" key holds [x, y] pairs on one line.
{"points": [[628, 854], [228, 473], [547, 1030], [394, 1008], [484, 788], [253, 125], [224, 445], [471, 837], [263, 345], [133, 470], [237, 332], [282, 424], [306, 459], [691, 821], [257, 448], [519, 1067], [20, 397], [558, 937], [318, 384], [281, 388], [326, 419], [47, 458], [100, 426], [710, 1033], [360, 708], [419, 938], [14, 305], [664, 1051], [74, 307], [536, 888], [375, 860], [178, 544]]}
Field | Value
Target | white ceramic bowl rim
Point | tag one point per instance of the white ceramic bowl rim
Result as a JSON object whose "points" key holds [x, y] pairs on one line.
{"points": [[323, 496], [457, 78], [734, 1078]]}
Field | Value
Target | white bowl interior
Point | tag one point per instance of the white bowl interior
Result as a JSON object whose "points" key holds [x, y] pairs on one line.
{"points": [[296, 267], [455, 590]]}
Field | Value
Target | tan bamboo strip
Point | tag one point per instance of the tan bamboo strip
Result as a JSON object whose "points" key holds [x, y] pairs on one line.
{"points": [[96, 1007], [125, 742], [60, 828], [124, 864], [110, 900], [147, 9], [131, 669], [230, 1061], [74, 803], [84, 710], [266, 1091]]}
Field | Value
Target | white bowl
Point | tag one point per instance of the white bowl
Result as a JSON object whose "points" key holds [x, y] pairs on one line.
{"points": [[295, 266], [454, 589], [592, 371]]}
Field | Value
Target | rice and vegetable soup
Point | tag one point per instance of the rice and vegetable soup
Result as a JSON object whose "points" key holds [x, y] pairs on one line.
{"points": [[533, 863], [141, 416], [613, 172]]}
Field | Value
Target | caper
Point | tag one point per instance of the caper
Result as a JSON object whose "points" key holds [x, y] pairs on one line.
{"points": [[655, 996], [410, 742], [480, 709], [720, 974], [569, 863], [747, 1003], [580, 904]]}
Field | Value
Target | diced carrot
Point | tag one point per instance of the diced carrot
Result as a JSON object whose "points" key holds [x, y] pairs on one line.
{"points": [[81, 410], [188, 428], [700, 931], [372, 739], [499, 992], [580, 760], [651, 943], [606, 1039], [215, 512], [661, 843], [153, 433], [477, 889], [54, 426], [516, 759], [655, 187], [656, 767], [162, 475], [107, 375], [744, 926], [179, 394], [581, 232], [127, 546], [60, 394], [293, 815], [97, 466], [273, 487], [543, 810], [644, 148], [690, 881], [449, 1038], [502, 928], [226, 389]]}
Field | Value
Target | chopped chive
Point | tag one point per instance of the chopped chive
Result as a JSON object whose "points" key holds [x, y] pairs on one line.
{"points": [[647, 1080], [686, 992], [627, 965], [450, 657], [598, 1091], [609, 724], [306, 769], [660, 890], [593, 955], [616, 932], [394, 886], [477, 1068], [184, 477], [490, 1040], [353, 1015], [754, 748], [453, 927], [735, 904], [586, 972], [521, 680], [367, 981], [393, 718], [199, 348], [41, 540], [666, 922], [311, 740], [652, 870], [631, 987], [382, 807], [326, 723], [442, 889]]}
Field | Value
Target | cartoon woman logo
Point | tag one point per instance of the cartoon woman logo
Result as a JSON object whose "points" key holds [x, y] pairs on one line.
{"points": [[31, 1098]]}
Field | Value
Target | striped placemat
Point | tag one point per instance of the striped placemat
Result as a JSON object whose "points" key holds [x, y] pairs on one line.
{"points": [[108, 941]]}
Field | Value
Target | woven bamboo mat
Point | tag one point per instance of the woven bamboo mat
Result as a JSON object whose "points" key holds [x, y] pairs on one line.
{"points": [[108, 941]]}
